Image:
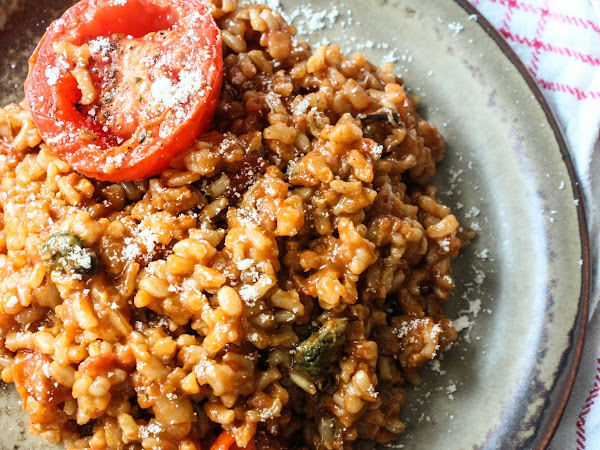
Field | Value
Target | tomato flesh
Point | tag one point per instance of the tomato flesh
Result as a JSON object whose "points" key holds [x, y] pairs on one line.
{"points": [[226, 441], [118, 87]]}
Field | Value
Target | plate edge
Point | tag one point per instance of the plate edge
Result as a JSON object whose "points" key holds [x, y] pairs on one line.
{"points": [[577, 334]]}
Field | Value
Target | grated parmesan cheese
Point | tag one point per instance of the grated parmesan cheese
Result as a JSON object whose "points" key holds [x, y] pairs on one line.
{"points": [[249, 293], [52, 74], [455, 27], [461, 323], [131, 251], [12, 301], [301, 107], [99, 45], [245, 264], [170, 95], [82, 257]]}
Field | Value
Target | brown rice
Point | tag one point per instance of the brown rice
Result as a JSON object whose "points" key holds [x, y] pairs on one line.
{"points": [[309, 201]]}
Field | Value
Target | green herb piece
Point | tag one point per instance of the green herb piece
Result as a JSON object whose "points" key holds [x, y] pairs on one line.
{"points": [[313, 357], [68, 253]]}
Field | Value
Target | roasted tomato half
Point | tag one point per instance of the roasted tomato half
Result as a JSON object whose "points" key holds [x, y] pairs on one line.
{"points": [[118, 87]]}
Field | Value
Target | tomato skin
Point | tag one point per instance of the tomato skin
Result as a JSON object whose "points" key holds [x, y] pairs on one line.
{"points": [[131, 140], [32, 379]]}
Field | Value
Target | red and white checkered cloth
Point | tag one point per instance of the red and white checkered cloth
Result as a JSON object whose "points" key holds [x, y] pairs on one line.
{"points": [[559, 43]]}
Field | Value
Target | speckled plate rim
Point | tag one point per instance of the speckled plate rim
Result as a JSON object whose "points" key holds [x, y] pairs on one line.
{"points": [[569, 363]]}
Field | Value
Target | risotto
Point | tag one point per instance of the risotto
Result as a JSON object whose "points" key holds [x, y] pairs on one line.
{"points": [[277, 286]]}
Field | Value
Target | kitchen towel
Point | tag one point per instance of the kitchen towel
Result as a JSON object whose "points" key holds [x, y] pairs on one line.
{"points": [[559, 43]]}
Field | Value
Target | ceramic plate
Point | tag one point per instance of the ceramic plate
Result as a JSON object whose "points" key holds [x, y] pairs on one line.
{"points": [[522, 286]]}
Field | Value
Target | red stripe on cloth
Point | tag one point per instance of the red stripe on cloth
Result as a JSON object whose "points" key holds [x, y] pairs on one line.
{"points": [[536, 45], [577, 21], [533, 67], [563, 18], [508, 15], [555, 86], [546, 46], [580, 441]]}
